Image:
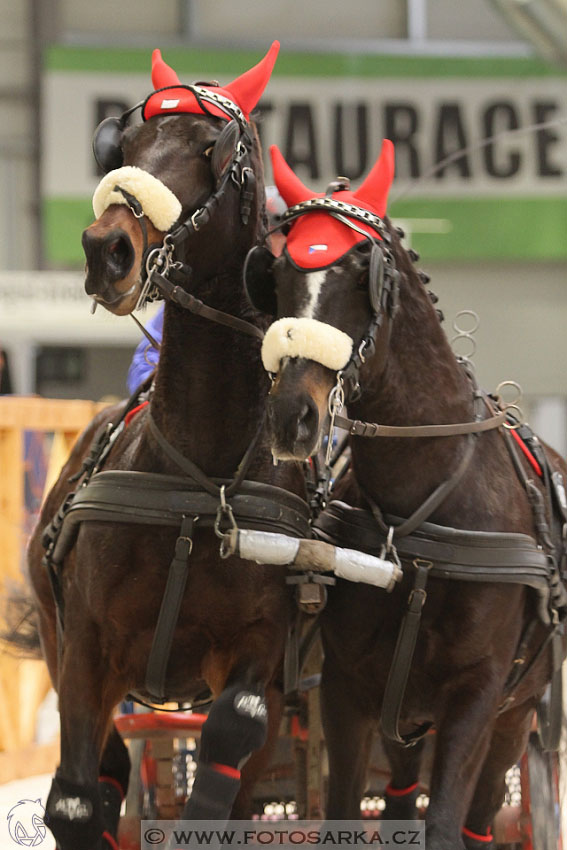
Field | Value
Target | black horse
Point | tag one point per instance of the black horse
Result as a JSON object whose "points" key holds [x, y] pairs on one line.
{"points": [[358, 322], [180, 210]]}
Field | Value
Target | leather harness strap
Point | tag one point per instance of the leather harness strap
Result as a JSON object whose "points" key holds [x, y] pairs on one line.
{"points": [[440, 552], [457, 554], [156, 669], [164, 500], [194, 305], [193, 470], [372, 429], [433, 501], [402, 660]]}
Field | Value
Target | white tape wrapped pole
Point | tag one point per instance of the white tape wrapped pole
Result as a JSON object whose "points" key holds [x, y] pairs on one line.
{"points": [[270, 548]]}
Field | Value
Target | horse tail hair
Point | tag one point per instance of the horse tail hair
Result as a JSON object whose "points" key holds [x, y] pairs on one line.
{"points": [[20, 630]]}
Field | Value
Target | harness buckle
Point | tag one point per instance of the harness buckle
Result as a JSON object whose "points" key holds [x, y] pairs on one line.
{"points": [[419, 592]]}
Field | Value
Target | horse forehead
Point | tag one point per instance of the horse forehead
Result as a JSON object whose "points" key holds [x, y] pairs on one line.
{"points": [[174, 128], [310, 288], [197, 127], [313, 283]]}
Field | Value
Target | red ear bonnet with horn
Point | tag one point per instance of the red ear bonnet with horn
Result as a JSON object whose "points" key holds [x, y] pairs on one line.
{"points": [[317, 240], [245, 91]]}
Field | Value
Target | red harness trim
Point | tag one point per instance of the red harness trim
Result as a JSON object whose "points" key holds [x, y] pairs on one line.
{"points": [[527, 453], [400, 792], [226, 770], [106, 836], [135, 410], [112, 781], [470, 834]]}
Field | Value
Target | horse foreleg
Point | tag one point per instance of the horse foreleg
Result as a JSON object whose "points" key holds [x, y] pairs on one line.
{"points": [[113, 781], [509, 740], [260, 759], [348, 735], [402, 790], [463, 734], [236, 727], [74, 809], [115, 762]]}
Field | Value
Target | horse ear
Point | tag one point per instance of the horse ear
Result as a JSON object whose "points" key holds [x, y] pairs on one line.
{"points": [[259, 281], [289, 185], [162, 74], [247, 89], [224, 148], [374, 190]]}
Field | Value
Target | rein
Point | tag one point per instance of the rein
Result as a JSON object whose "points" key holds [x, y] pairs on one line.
{"points": [[193, 471], [171, 292], [372, 429]]}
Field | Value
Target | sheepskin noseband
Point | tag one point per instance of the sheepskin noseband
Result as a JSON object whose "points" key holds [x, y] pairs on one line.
{"points": [[307, 338], [158, 202]]}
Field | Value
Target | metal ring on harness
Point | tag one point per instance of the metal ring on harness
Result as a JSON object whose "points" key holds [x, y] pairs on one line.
{"points": [[513, 426]]}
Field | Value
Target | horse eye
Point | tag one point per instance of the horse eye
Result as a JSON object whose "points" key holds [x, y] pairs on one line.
{"points": [[208, 152]]}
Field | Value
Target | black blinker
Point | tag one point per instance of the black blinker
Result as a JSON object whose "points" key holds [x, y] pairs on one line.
{"points": [[376, 278], [259, 281], [224, 148], [106, 144]]}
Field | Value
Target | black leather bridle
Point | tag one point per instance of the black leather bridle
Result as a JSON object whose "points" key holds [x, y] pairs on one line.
{"points": [[238, 176]]}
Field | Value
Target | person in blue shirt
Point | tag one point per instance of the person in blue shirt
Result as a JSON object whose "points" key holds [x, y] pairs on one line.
{"points": [[146, 357]]}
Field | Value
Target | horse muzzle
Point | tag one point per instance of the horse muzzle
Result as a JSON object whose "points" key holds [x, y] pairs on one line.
{"points": [[293, 425], [111, 279]]}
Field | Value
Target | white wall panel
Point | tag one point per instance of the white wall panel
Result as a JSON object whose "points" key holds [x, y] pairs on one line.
{"points": [[522, 309], [248, 19], [467, 19], [115, 17]]}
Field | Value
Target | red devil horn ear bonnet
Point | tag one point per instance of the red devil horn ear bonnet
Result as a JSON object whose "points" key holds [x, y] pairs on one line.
{"points": [[373, 194], [171, 96], [289, 185], [162, 74], [317, 240]]}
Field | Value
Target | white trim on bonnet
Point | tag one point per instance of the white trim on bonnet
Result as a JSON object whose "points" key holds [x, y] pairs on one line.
{"points": [[158, 202], [307, 338]]}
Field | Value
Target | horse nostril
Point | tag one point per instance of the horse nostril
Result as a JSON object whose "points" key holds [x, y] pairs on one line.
{"points": [[307, 420], [118, 251], [119, 255]]}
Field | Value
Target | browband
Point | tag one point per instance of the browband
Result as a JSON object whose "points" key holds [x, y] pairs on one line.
{"points": [[209, 96], [333, 206]]}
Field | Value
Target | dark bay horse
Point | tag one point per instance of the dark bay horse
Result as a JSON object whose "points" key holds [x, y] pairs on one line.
{"points": [[356, 320], [187, 185]]}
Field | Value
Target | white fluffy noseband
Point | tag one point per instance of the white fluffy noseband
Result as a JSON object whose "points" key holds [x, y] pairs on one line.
{"points": [[305, 338], [158, 202]]}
